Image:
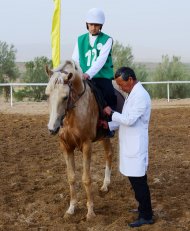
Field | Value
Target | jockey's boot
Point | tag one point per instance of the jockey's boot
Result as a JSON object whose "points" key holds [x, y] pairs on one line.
{"points": [[110, 134]]}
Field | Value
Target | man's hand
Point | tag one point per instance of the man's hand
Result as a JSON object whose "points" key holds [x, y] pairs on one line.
{"points": [[107, 110], [103, 123], [85, 76]]}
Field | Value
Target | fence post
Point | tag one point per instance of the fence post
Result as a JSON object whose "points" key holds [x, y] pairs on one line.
{"points": [[168, 92], [11, 95]]}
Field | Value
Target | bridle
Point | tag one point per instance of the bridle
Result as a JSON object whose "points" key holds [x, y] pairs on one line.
{"points": [[73, 96]]}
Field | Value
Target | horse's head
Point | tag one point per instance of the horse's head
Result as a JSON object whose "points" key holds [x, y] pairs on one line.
{"points": [[58, 90]]}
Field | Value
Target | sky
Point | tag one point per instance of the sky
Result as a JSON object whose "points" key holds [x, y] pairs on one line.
{"points": [[152, 28]]}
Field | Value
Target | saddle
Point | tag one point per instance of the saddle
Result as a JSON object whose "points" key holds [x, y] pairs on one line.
{"points": [[102, 132]]}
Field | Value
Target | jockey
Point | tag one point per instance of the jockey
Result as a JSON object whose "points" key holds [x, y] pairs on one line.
{"points": [[93, 52]]}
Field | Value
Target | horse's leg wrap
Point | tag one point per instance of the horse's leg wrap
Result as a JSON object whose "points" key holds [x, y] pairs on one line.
{"points": [[108, 158], [107, 177], [69, 158]]}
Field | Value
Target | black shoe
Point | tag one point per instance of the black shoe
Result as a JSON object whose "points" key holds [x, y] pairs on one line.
{"points": [[141, 221], [110, 134]]}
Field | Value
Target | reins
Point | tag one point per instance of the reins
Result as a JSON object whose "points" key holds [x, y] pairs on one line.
{"points": [[73, 98]]}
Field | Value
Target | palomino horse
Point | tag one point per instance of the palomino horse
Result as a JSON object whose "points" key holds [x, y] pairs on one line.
{"points": [[74, 112]]}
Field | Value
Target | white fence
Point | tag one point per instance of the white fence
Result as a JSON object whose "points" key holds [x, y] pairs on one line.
{"points": [[44, 84], [168, 85], [19, 85]]}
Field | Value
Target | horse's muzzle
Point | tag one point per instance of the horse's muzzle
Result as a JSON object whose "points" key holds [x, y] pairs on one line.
{"points": [[54, 132]]}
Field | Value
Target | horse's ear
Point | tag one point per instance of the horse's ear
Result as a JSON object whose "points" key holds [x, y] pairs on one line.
{"points": [[70, 75], [68, 78], [49, 72], [76, 65]]}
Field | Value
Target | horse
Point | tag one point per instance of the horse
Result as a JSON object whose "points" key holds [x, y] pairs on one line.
{"points": [[74, 115]]}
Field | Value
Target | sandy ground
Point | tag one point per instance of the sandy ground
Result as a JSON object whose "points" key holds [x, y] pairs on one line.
{"points": [[42, 107], [33, 184]]}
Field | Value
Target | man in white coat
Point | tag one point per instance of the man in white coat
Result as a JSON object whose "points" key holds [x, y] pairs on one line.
{"points": [[133, 125]]}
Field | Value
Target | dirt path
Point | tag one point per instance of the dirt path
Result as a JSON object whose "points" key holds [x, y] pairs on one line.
{"points": [[39, 108], [33, 184]]}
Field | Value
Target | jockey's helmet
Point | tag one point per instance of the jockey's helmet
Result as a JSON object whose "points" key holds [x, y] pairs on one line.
{"points": [[95, 16]]}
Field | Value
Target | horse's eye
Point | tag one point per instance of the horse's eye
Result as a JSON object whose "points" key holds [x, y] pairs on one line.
{"points": [[65, 98]]}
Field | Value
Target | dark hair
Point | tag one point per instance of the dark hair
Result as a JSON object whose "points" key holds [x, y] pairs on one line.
{"points": [[93, 23], [125, 73]]}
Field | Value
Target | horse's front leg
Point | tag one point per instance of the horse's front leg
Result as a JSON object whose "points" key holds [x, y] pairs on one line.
{"points": [[108, 157], [86, 178], [69, 158]]}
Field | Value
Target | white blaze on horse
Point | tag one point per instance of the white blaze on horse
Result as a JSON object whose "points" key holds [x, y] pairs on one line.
{"points": [[74, 113]]}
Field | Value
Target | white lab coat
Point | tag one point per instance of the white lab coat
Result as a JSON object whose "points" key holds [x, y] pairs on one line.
{"points": [[133, 125]]}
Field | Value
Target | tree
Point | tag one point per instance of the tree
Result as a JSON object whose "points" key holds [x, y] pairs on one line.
{"points": [[8, 68], [35, 73], [170, 71], [122, 56]]}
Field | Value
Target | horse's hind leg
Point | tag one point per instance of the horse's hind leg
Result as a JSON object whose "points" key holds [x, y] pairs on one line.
{"points": [[69, 158], [108, 157], [86, 178]]}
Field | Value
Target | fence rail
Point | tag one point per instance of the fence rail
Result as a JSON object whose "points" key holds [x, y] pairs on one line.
{"points": [[45, 84]]}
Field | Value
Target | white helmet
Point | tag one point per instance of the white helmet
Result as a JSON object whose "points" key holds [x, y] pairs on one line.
{"points": [[95, 15]]}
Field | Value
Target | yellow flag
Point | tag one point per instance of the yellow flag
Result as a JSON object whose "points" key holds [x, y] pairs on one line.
{"points": [[55, 33]]}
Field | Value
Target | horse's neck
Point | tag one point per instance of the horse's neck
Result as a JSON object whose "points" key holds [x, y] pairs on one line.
{"points": [[85, 105]]}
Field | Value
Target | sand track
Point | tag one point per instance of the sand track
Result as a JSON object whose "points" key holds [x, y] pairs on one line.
{"points": [[34, 188]]}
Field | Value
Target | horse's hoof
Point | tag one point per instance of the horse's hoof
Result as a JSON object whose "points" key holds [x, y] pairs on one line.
{"points": [[67, 216], [90, 216], [103, 191]]}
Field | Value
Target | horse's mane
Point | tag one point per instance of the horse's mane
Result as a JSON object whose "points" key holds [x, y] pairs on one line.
{"points": [[69, 66]]}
